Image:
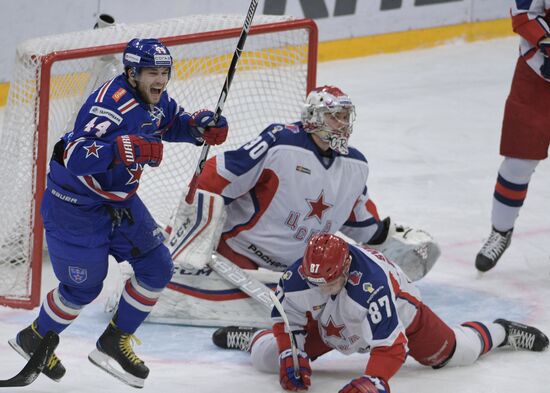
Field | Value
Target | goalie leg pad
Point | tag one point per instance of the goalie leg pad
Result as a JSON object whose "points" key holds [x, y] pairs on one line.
{"points": [[196, 229], [202, 297]]}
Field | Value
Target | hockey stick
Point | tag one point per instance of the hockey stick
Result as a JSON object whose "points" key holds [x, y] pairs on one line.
{"points": [[36, 363], [223, 96], [293, 347], [238, 277]]}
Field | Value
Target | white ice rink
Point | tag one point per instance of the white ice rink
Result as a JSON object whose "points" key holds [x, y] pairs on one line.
{"points": [[429, 123]]}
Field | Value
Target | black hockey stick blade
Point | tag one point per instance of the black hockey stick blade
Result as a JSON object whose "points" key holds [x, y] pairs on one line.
{"points": [[36, 363]]}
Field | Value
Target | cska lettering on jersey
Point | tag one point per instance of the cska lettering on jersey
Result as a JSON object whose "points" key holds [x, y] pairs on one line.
{"points": [[275, 200]]}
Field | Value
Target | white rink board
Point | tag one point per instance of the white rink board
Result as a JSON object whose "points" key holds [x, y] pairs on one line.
{"points": [[428, 122]]}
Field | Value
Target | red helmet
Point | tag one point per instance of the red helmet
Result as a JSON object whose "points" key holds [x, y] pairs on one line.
{"points": [[325, 259]]}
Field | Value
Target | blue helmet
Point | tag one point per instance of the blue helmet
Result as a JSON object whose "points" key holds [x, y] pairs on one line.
{"points": [[146, 53]]}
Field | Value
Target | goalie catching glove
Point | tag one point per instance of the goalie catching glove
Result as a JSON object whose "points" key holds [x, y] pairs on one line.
{"points": [[365, 384], [132, 149], [415, 251], [205, 130]]}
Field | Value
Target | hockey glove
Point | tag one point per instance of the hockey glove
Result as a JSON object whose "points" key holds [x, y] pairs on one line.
{"points": [[131, 149], [365, 384], [544, 46], [205, 130], [286, 371]]}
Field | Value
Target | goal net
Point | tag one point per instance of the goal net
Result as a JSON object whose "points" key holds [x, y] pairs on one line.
{"points": [[53, 75]]}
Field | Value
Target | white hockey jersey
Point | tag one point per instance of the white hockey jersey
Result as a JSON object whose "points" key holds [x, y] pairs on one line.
{"points": [[376, 305], [280, 190]]}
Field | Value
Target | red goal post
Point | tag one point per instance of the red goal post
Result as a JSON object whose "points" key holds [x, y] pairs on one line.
{"points": [[55, 74]]}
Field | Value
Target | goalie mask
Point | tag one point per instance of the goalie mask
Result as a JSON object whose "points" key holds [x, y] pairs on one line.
{"points": [[146, 53], [329, 113], [326, 259]]}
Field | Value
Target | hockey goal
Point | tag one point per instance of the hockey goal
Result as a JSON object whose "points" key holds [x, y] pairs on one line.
{"points": [[53, 76]]}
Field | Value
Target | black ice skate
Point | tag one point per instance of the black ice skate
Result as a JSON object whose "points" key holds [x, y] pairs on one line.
{"points": [[493, 249], [115, 355], [27, 341], [234, 337], [520, 336]]}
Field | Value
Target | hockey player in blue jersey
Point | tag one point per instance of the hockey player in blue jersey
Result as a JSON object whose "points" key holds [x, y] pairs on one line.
{"points": [[354, 300], [91, 210]]}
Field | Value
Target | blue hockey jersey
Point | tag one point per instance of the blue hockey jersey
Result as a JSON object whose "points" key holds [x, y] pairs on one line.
{"points": [[84, 170]]}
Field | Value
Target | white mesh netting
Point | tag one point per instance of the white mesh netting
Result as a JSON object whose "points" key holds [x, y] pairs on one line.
{"points": [[269, 86]]}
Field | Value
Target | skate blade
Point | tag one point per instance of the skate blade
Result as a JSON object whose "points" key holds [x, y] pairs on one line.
{"points": [[19, 350], [109, 365]]}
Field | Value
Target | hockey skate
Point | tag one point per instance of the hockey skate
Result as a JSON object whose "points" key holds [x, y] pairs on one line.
{"points": [[520, 336], [234, 337], [493, 249], [27, 341], [115, 355]]}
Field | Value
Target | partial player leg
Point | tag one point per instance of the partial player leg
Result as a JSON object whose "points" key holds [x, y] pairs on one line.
{"points": [[510, 193], [520, 336], [27, 342], [80, 283], [114, 350], [115, 346]]}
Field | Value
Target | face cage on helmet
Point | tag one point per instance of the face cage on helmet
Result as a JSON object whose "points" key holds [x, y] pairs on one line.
{"points": [[336, 138]]}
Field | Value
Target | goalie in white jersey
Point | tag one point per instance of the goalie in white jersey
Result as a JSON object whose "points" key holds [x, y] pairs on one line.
{"points": [[291, 182], [339, 296]]}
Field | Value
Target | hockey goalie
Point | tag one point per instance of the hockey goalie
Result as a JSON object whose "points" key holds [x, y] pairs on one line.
{"points": [[262, 202]]}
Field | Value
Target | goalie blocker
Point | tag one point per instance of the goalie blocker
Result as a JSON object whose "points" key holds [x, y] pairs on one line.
{"points": [[198, 295]]}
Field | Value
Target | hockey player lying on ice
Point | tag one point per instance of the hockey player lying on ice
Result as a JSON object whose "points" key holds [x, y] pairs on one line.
{"points": [[339, 296], [292, 181]]}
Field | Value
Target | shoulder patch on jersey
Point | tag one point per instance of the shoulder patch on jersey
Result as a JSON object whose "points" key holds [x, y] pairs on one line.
{"points": [[292, 128], [287, 275], [354, 277], [303, 169], [367, 287], [109, 114], [119, 94]]}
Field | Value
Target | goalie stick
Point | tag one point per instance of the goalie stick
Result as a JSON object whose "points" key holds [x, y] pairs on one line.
{"points": [[223, 96], [36, 363]]}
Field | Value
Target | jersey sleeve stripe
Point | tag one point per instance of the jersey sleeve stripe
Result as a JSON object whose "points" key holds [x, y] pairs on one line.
{"points": [[128, 106], [103, 90]]}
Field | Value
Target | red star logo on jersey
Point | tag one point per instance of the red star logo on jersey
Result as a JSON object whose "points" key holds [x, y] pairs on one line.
{"points": [[317, 207], [92, 150], [333, 330], [135, 173]]}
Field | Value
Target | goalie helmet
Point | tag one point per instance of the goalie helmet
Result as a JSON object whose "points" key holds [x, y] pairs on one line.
{"points": [[146, 53], [326, 258], [329, 113]]}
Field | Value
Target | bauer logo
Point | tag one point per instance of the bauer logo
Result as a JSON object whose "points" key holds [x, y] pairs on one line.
{"points": [[132, 58], [78, 274], [163, 60]]}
